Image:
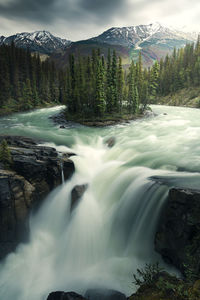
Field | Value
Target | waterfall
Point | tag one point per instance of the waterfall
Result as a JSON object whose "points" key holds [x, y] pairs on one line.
{"points": [[100, 243]]}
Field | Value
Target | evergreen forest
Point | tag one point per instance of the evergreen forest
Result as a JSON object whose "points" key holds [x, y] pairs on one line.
{"points": [[26, 82], [93, 86]]}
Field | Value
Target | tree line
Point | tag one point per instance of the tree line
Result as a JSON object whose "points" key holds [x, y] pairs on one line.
{"points": [[26, 82]]}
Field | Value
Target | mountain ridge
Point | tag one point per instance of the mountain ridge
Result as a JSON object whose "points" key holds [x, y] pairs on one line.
{"points": [[41, 41], [154, 40]]}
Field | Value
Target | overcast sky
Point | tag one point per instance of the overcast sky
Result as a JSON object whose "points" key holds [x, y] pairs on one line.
{"points": [[81, 19]]}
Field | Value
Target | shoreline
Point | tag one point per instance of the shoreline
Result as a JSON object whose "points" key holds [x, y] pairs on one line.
{"points": [[60, 119], [4, 113]]}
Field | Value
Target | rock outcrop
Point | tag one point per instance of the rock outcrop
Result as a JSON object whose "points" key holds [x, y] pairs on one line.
{"points": [[104, 294], [34, 172], [178, 236], [110, 142], [76, 194], [65, 296], [92, 294]]}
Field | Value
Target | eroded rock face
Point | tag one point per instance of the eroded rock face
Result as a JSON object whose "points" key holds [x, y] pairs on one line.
{"points": [[16, 198], [35, 171], [178, 236]]}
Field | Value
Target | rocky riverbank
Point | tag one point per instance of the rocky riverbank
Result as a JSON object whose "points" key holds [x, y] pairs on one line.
{"points": [[34, 172]]}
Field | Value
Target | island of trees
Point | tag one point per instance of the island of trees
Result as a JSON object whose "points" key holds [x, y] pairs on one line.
{"points": [[93, 86]]}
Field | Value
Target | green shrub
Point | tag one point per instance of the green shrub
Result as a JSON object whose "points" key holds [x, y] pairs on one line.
{"points": [[147, 275]]}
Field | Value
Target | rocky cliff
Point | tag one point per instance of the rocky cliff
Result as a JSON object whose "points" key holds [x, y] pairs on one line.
{"points": [[178, 235], [34, 172]]}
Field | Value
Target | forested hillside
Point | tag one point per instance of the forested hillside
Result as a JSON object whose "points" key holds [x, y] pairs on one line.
{"points": [[26, 82], [177, 72]]}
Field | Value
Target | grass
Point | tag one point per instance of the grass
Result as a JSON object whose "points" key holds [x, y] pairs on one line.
{"points": [[188, 97]]}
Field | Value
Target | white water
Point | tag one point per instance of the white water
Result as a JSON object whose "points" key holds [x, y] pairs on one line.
{"points": [[110, 233]]}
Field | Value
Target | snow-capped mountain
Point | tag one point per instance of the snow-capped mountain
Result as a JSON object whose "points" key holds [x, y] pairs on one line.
{"points": [[136, 35], [40, 41]]}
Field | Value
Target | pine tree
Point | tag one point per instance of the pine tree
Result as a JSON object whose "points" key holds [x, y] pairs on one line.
{"points": [[120, 85], [5, 155], [114, 83], [100, 104], [109, 98]]}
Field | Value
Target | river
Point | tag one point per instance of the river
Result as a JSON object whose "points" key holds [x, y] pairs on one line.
{"points": [[110, 233]]}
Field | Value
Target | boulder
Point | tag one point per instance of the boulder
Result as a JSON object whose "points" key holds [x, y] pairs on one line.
{"points": [[76, 194], [178, 235], [110, 142], [34, 172], [65, 296], [104, 294]]}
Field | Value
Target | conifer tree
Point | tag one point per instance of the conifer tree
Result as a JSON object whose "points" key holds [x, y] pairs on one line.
{"points": [[114, 83], [5, 155], [120, 85], [109, 98], [100, 104]]}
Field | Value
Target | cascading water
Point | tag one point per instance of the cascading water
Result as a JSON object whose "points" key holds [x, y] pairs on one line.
{"points": [[110, 233], [61, 170]]}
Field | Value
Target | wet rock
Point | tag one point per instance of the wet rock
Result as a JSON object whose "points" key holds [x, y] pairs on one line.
{"points": [[178, 235], [16, 197], [35, 171], [104, 294], [65, 296], [110, 142], [76, 194]]}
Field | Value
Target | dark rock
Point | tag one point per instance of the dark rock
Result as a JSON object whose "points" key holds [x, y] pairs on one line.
{"points": [[62, 126], [35, 171], [65, 296], [178, 235], [104, 294], [76, 194], [16, 197], [68, 168], [110, 142]]}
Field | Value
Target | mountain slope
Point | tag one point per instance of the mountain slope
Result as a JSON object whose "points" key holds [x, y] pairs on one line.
{"points": [[136, 35], [38, 41], [153, 40]]}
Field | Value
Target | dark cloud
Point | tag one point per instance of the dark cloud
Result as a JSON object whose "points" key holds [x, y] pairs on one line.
{"points": [[28, 9], [48, 11], [79, 19]]}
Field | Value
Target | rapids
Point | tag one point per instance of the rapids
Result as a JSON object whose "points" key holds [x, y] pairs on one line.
{"points": [[110, 233]]}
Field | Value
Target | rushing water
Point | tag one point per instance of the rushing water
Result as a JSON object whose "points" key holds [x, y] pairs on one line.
{"points": [[110, 233]]}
